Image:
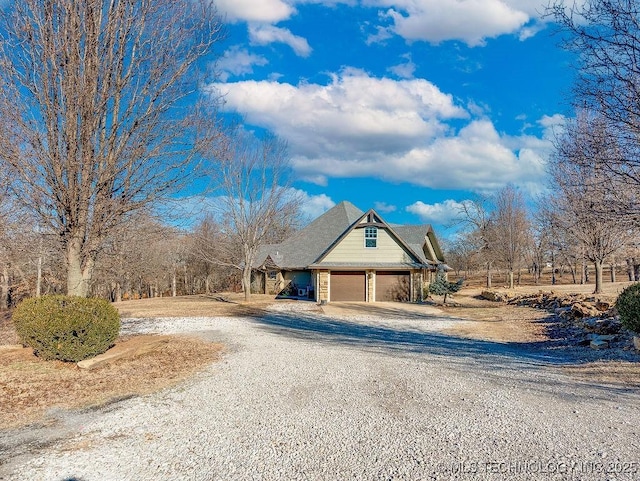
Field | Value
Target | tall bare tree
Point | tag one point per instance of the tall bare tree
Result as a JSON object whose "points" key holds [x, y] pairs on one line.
{"points": [[606, 36], [585, 196], [509, 230], [256, 206], [99, 112]]}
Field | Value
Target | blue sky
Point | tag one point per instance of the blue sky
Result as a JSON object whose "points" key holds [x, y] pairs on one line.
{"points": [[406, 106]]}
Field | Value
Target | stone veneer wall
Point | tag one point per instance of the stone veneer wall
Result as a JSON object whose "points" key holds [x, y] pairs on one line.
{"points": [[416, 284], [371, 291], [323, 286]]}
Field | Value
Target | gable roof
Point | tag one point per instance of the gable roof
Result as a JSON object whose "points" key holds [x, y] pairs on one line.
{"points": [[414, 236], [306, 245], [311, 244], [372, 218]]}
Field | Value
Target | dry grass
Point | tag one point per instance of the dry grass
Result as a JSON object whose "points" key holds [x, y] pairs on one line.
{"points": [[30, 386], [621, 374], [495, 321], [192, 306]]}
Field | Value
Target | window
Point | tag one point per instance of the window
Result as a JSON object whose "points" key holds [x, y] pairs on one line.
{"points": [[371, 237]]}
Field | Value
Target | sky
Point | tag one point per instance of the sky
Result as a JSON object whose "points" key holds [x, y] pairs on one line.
{"points": [[409, 107]]}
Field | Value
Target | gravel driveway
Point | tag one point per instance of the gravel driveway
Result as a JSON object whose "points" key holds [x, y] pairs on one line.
{"points": [[301, 395]]}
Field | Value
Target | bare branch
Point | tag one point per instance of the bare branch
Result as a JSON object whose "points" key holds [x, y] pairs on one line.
{"points": [[100, 113]]}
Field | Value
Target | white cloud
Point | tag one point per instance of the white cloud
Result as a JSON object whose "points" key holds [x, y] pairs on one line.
{"points": [[270, 11], [384, 208], [476, 158], [313, 206], [439, 213], [238, 61], [471, 21], [353, 113], [381, 35], [404, 70], [266, 34], [553, 125], [395, 130]]}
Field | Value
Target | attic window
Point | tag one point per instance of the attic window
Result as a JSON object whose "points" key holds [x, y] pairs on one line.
{"points": [[371, 237]]}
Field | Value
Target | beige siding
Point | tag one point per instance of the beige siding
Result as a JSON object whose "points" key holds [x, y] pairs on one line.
{"points": [[351, 249]]}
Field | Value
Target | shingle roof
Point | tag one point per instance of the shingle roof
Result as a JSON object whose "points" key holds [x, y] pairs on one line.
{"points": [[306, 245]]}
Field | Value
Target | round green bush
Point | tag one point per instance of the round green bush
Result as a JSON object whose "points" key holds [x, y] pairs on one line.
{"points": [[628, 306], [66, 328]]}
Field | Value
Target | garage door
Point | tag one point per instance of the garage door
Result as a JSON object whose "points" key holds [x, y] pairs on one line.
{"points": [[392, 286], [347, 286]]}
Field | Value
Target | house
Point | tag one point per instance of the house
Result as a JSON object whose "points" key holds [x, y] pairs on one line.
{"points": [[350, 255]]}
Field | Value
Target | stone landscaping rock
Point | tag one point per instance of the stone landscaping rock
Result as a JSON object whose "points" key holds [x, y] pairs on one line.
{"points": [[495, 296], [584, 319], [128, 349]]}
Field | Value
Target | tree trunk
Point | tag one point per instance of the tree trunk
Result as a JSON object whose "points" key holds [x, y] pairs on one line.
{"points": [[79, 274], [488, 276], [246, 282], [613, 271], [188, 288], [510, 278], [174, 282], [4, 287], [39, 277], [598, 267]]}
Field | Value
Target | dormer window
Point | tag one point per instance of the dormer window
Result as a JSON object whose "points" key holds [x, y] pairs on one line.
{"points": [[371, 237]]}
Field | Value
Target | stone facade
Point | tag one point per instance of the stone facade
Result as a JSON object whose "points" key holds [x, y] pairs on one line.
{"points": [[371, 286], [323, 286]]}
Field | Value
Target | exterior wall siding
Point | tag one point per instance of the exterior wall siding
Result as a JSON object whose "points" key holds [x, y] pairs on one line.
{"points": [[352, 249]]}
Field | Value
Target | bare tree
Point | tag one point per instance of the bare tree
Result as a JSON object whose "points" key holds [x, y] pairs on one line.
{"points": [[475, 216], [585, 196], [216, 249], [98, 111], [256, 206], [463, 253], [606, 36], [509, 231], [541, 248]]}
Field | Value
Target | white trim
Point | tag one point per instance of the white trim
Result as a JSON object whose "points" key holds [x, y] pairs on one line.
{"points": [[373, 230]]}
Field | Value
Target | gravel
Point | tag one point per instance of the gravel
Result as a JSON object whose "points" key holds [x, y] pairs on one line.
{"points": [[300, 395]]}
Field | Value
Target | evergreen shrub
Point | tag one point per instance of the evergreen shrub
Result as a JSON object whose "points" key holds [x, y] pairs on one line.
{"points": [[67, 328], [628, 307]]}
